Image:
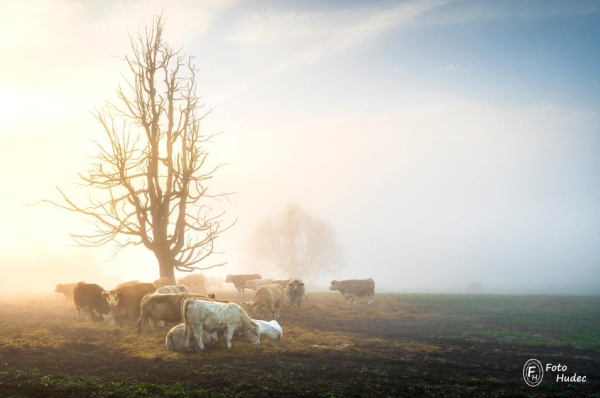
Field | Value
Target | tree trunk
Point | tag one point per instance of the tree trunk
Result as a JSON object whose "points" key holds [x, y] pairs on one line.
{"points": [[167, 270]]}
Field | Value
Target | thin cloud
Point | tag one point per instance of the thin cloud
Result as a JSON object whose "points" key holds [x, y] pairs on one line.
{"points": [[345, 38]]}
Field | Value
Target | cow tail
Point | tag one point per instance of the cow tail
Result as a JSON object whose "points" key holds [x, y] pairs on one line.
{"points": [[186, 324]]}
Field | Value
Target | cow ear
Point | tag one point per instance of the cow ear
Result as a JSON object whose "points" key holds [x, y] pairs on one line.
{"points": [[104, 294], [301, 283], [333, 282]]}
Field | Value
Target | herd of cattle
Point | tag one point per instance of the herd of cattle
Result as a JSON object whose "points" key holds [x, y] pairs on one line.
{"points": [[203, 315]]}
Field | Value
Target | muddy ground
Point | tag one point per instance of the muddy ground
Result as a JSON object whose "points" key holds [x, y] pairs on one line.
{"points": [[403, 345]]}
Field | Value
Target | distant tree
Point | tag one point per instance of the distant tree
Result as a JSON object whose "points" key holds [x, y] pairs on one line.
{"points": [[148, 183], [294, 244]]}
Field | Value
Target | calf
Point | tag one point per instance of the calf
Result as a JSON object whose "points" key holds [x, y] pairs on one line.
{"points": [[352, 288], [295, 292], [124, 302], [267, 298], [90, 296], [239, 281], [254, 284], [200, 315]]}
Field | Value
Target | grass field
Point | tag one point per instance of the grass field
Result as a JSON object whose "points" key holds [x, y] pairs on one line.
{"points": [[404, 345]]}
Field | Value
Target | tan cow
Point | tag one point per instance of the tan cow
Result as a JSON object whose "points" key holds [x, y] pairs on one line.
{"points": [[124, 302], [165, 307], [352, 288], [194, 282], [282, 282], [239, 281], [254, 284], [66, 289], [269, 298], [295, 292]]}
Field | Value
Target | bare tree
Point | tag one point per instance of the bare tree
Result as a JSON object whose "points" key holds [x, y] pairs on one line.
{"points": [[295, 244], [148, 183]]}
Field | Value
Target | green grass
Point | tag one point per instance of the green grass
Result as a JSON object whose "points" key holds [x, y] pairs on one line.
{"points": [[524, 320]]}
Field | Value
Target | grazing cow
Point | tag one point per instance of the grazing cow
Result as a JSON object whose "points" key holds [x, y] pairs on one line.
{"points": [[194, 282], [126, 283], [254, 284], [352, 288], [214, 317], [173, 289], [282, 282], [239, 281], [124, 302], [295, 292], [269, 297], [66, 290], [214, 281], [90, 296], [164, 307], [164, 281]]}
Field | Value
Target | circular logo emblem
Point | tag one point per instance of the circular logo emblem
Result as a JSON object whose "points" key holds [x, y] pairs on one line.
{"points": [[533, 373]]}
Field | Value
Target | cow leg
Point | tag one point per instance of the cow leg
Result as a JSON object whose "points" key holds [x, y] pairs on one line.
{"points": [[354, 300], [229, 335], [77, 312]]}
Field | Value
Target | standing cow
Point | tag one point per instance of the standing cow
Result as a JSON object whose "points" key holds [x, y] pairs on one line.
{"points": [[90, 296], [124, 302], [194, 282], [67, 290], [266, 299], [295, 292], [254, 284], [214, 281], [239, 281], [352, 288], [213, 317]]}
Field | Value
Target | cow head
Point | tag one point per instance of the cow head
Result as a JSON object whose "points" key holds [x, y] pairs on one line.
{"points": [[228, 278], [253, 333], [112, 297], [59, 288], [334, 285], [295, 284]]}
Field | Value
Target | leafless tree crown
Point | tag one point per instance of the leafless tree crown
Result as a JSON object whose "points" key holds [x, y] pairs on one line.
{"points": [[149, 178]]}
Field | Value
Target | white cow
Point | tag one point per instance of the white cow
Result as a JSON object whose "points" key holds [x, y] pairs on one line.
{"points": [[254, 284], [271, 330], [175, 340], [173, 289], [212, 316]]}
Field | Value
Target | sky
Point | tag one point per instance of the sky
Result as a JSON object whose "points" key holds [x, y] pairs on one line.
{"points": [[446, 142]]}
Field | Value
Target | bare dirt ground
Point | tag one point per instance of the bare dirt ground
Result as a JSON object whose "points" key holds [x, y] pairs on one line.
{"points": [[404, 345]]}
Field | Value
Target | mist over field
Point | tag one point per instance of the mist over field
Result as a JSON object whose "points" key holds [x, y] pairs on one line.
{"points": [[445, 143]]}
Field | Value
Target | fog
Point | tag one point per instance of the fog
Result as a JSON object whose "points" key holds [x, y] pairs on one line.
{"points": [[440, 153]]}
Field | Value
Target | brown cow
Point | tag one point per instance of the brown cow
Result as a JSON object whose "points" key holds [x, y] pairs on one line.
{"points": [[195, 282], [127, 283], [239, 281], [295, 292], [352, 288], [269, 297], [90, 296], [66, 289], [165, 307], [124, 302]]}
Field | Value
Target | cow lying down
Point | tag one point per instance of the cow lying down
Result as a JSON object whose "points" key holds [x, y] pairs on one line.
{"points": [[175, 340]]}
